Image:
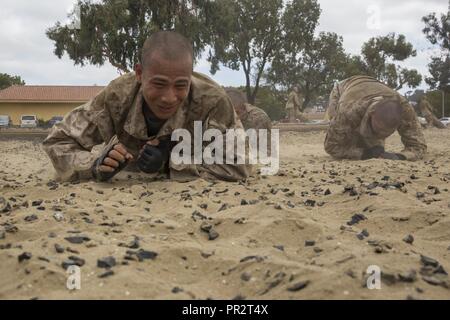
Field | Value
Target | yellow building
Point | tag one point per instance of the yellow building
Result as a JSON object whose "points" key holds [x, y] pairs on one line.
{"points": [[44, 102]]}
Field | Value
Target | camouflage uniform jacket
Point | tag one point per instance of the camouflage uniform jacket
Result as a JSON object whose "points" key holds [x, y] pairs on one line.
{"points": [[352, 102], [255, 118], [115, 115]]}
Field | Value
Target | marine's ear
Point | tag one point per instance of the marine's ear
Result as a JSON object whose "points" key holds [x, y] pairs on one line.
{"points": [[138, 71]]}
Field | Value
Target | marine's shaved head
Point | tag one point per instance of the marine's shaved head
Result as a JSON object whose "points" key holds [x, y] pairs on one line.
{"points": [[386, 117], [168, 44]]}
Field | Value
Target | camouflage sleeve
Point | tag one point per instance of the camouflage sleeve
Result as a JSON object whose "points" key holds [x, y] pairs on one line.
{"points": [[70, 142], [222, 117], [261, 120], [333, 102], [340, 138], [412, 135]]}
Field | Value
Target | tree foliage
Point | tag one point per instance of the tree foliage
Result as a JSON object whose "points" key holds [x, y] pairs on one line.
{"points": [[314, 68], [7, 80], [245, 34], [380, 55], [115, 30], [437, 31]]}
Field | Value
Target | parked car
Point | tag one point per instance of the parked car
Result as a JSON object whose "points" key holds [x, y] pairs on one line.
{"points": [[5, 121], [54, 120], [445, 121], [28, 121]]}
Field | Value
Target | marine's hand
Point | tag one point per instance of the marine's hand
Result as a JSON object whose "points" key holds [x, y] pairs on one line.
{"points": [[115, 158], [372, 153], [151, 159]]}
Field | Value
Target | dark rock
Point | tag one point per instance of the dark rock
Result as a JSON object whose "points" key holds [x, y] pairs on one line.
{"points": [[279, 247], [196, 215], [206, 255], [205, 226], [106, 274], [4, 205], [106, 263], [73, 261], [24, 256], [420, 195], [213, 234], [2, 234], [248, 258], [388, 278], [59, 248], [244, 202], [427, 261], [362, 235], [299, 286], [134, 244], [433, 189], [146, 255], [43, 259], [435, 281], [224, 206], [409, 276], [356, 218], [310, 243], [310, 203], [240, 221], [176, 290], [350, 189], [37, 203], [72, 250], [409, 239], [440, 270], [245, 276], [77, 239], [327, 192], [30, 218], [317, 250]]}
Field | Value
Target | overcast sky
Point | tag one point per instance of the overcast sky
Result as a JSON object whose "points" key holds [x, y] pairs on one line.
{"points": [[26, 51]]}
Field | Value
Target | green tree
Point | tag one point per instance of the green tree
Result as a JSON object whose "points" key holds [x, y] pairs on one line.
{"points": [[272, 101], [6, 81], [435, 99], [314, 67], [115, 30], [437, 31], [379, 56], [245, 34]]}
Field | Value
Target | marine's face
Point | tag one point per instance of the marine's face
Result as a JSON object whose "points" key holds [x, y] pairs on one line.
{"points": [[165, 84]]}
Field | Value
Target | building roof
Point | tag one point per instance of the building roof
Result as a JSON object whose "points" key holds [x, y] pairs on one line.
{"points": [[49, 94]]}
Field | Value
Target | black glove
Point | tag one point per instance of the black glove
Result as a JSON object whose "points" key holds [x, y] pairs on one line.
{"points": [[101, 176], [153, 158], [372, 153], [392, 156]]}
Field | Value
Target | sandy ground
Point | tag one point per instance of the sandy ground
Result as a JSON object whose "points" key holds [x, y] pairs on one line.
{"points": [[309, 232]]}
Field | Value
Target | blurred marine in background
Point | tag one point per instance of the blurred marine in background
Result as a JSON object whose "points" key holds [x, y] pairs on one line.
{"points": [[363, 112]]}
